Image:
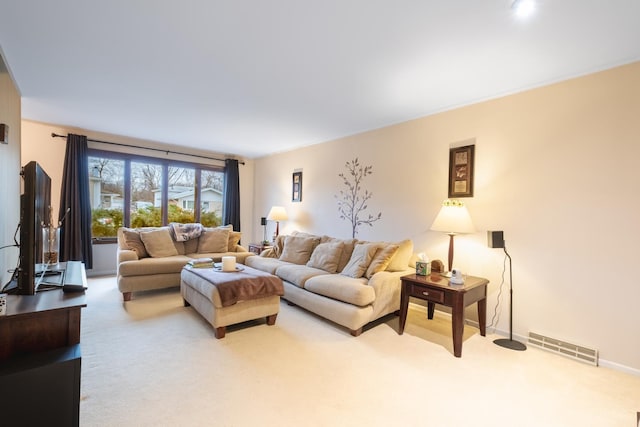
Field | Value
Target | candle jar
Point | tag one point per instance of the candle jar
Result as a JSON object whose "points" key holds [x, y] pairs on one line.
{"points": [[228, 263]]}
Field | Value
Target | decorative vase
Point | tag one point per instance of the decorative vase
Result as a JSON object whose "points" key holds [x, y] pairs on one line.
{"points": [[50, 245]]}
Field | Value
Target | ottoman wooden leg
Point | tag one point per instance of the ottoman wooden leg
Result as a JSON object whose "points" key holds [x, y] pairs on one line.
{"points": [[185, 302], [126, 296], [219, 332], [271, 320]]}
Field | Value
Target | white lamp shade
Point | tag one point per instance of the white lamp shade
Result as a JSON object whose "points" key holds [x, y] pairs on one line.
{"points": [[277, 213], [453, 218]]}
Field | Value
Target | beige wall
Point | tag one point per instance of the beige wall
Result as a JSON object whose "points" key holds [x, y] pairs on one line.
{"points": [[555, 169], [9, 172], [38, 145]]}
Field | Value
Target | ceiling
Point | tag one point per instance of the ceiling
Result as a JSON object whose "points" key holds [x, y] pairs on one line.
{"points": [[251, 77]]}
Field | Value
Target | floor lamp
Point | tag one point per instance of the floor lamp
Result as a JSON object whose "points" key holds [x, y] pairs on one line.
{"points": [[495, 239], [453, 219]]}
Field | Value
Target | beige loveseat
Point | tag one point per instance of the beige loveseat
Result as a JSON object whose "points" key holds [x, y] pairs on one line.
{"points": [[151, 258], [347, 281]]}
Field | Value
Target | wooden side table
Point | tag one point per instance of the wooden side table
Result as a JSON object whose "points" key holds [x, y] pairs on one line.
{"points": [[257, 248], [435, 289]]}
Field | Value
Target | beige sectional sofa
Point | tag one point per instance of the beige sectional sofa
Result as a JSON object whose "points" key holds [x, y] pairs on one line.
{"points": [[347, 281], [152, 258]]}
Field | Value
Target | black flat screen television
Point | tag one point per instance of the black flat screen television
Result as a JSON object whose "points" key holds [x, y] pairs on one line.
{"points": [[35, 207]]}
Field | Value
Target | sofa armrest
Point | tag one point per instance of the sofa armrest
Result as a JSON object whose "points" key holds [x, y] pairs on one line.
{"points": [[387, 286], [126, 255]]}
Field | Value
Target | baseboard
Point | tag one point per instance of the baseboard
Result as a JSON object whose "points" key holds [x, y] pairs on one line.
{"points": [[602, 362]]}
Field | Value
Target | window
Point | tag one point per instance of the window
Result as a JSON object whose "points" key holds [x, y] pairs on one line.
{"points": [[137, 191], [106, 190]]}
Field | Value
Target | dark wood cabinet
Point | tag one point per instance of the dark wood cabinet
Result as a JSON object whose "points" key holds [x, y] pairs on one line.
{"points": [[41, 389], [40, 357]]}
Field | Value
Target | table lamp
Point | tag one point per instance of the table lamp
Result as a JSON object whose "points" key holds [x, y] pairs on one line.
{"points": [[453, 219], [277, 214]]}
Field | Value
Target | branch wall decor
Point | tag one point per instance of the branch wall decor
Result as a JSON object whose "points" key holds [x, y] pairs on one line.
{"points": [[353, 201]]}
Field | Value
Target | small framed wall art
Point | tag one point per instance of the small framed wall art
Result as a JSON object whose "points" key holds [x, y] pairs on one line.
{"points": [[296, 187], [461, 171]]}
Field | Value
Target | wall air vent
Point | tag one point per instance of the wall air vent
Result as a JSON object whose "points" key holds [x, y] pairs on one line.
{"points": [[573, 351]]}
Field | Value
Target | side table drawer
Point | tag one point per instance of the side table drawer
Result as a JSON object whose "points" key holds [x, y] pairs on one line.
{"points": [[432, 295]]}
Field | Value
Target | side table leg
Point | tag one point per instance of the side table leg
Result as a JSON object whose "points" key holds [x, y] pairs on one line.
{"points": [[404, 306], [431, 308], [457, 325], [482, 316]]}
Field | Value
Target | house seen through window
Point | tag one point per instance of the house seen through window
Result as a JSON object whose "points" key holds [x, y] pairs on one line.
{"points": [[136, 191]]}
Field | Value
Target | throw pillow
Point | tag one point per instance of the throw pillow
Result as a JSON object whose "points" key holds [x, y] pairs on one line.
{"points": [[326, 256], [400, 261], [349, 244], [279, 245], [158, 243], [360, 259], [214, 240], [381, 259], [234, 240], [298, 249], [133, 242]]}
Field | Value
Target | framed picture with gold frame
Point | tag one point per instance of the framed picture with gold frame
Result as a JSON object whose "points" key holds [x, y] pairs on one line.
{"points": [[461, 171]]}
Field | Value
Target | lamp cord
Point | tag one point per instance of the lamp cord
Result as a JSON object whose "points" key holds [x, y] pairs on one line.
{"points": [[496, 314]]}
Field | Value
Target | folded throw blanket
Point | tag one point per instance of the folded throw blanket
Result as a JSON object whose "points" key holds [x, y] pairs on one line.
{"points": [[244, 285], [184, 232]]}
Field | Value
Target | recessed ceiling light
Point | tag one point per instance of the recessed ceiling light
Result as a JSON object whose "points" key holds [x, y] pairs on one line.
{"points": [[523, 8]]}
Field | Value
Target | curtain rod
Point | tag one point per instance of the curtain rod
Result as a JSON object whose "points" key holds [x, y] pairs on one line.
{"points": [[55, 135]]}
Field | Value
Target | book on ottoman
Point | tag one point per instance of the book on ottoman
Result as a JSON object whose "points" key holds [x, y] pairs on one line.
{"points": [[201, 263]]}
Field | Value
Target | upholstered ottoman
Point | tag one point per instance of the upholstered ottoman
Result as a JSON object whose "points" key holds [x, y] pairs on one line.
{"points": [[227, 298]]}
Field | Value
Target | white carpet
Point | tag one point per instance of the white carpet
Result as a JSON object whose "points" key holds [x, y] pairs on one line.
{"points": [[153, 362]]}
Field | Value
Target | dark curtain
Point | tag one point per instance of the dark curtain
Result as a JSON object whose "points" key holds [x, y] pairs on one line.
{"points": [[75, 205], [231, 194]]}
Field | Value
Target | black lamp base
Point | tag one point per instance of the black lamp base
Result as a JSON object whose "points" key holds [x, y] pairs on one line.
{"points": [[510, 344]]}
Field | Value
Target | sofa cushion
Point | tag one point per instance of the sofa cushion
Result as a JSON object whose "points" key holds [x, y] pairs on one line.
{"points": [[298, 249], [147, 266], [342, 288], [270, 265], [158, 243], [133, 242], [326, 256], [381, 259], [298, 274], [360, 259], [214, 240], [400, 260]]}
